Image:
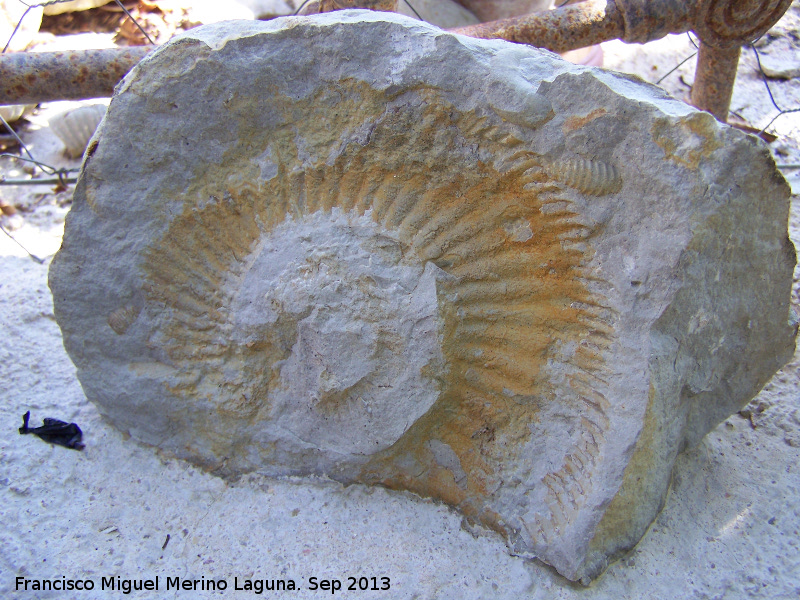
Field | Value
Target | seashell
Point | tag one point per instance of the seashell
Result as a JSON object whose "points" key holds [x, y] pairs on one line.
{"points": [[77, 126], [14, 112], [122, 318], [592, 177]]}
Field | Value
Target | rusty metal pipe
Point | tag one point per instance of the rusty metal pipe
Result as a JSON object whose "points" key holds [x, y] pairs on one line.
{"points": [[560, 30], [714, 79], [589, 23], [717, 22], [33, 77]]}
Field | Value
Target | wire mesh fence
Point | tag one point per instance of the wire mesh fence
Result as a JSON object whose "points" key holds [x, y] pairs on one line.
{"points": [[130, 16], [57, 176], [764, 77]]}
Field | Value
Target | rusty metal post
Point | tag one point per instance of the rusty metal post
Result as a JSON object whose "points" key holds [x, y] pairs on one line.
{"points": [[723, 28], [714, 79], [33, 77]]}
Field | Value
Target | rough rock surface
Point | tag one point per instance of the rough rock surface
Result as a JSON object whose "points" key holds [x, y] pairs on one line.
{"points": [[358, 246]]}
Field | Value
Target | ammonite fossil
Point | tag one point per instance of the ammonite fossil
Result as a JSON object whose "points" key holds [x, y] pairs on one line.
{"points": [[355, 245]]}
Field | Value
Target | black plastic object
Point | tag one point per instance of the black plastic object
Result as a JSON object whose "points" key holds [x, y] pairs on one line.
{"points": [[55, 432]]}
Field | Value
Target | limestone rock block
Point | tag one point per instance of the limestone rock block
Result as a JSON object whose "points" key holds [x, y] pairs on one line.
{"points": [[356, 245]]}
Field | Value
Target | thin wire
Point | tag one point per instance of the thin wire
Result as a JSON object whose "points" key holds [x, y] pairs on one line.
{"points": [[680, 64], [60, 173], [764, 77], [135, 22], [302, 6], [43, 4], [50, 170], [775, 118], [13, 239], [414, 10], [22, 18], [58, 180], [38, 4], [676, 67], [781, 111], [13, 33], [25, 148]]}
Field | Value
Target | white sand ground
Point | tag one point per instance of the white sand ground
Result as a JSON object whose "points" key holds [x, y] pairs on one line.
{"points": [[730, 528]]}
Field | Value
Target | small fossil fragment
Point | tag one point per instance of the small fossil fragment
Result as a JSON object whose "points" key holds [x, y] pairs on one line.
{"points": [[121, 319], [592, 177]]}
